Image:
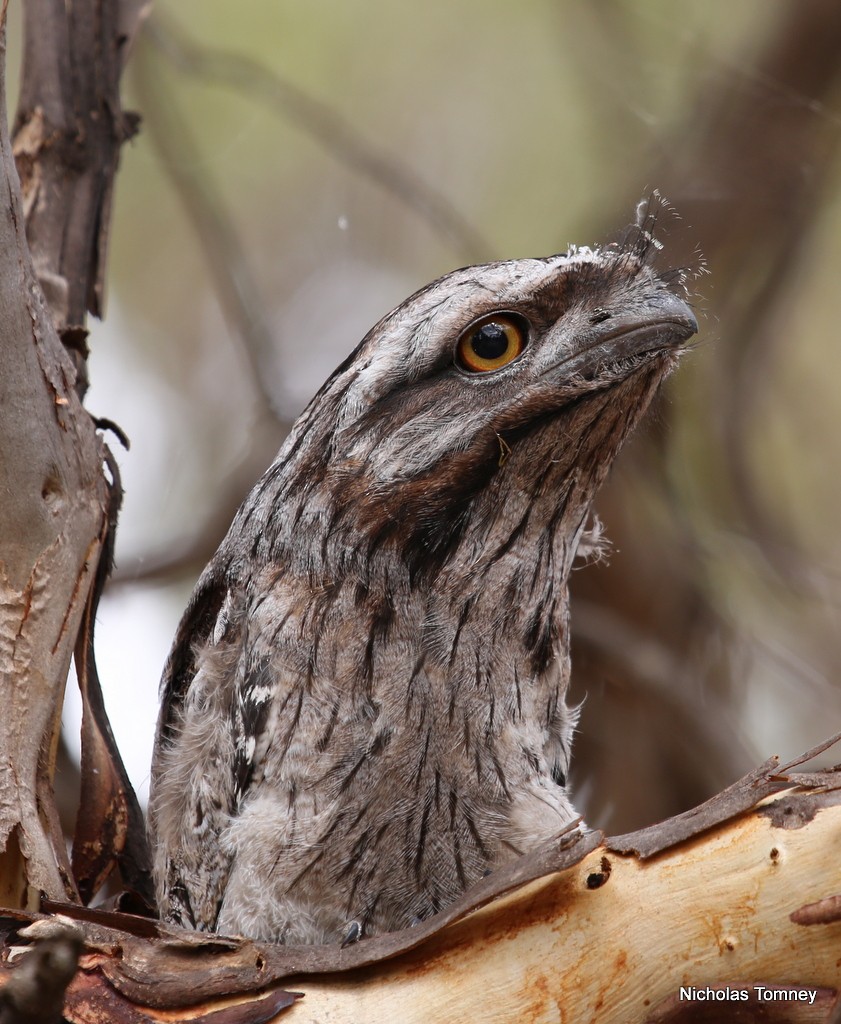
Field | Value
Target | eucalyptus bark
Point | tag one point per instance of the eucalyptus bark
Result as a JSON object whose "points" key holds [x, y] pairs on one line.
{"points": [[739, 896], [52, 514], [56, 503]]}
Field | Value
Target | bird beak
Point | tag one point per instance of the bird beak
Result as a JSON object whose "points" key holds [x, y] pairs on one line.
{"points": [[664, 322]]}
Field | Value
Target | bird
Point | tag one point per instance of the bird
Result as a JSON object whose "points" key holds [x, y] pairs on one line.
{"points": [[364, 711]]}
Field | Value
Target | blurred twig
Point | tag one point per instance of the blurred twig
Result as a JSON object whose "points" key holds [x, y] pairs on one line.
{"points": [[602, 36], [235, 283], [746, 165], [711, 736], [188, 556], [747, 168], [323, 123], [242, 303]]}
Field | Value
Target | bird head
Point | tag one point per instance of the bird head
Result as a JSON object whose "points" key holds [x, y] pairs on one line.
{"points": [[491, 402]]}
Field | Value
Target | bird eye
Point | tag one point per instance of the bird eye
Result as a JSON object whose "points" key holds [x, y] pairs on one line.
{"points": [[492, 342]]}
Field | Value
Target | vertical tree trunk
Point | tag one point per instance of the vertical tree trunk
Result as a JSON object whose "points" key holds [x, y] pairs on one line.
{"points": [[54, 495]]}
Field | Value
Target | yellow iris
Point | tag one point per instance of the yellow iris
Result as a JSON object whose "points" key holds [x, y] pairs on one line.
{"points": [[491, 342]]}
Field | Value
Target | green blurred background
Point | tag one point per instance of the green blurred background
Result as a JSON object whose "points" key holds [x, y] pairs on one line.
{"points": [[303, 166]]}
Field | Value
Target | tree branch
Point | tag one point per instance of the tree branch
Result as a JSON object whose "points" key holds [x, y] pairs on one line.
{"points": [[68, 133], [52, 521], [739, 895], [57, 515]]}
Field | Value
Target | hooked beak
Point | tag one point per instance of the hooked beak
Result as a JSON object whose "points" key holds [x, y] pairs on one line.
{"points": [[664, 323]]}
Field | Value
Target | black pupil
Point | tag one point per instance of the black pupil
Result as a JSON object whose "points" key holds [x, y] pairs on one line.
{"points": [[490, 341]]}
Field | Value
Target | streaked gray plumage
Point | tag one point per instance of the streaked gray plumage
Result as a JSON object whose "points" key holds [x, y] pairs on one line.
{"points": [[364, 709]]}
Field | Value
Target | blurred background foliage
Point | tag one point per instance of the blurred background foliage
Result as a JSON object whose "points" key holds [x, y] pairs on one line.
{"points": [[303, 166]]}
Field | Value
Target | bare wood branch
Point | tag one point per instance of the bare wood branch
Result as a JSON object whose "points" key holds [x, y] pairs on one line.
{"points": [[109, 825], [615, 938], [576, 929]]}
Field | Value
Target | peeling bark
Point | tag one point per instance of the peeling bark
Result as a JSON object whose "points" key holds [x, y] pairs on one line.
{"points": [[54, 495], [51, 521], [745, 901]]}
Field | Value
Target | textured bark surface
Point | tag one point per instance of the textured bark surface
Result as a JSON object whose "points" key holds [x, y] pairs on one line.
{"points": [[747, 901], [615, 938], [52, 495], [67, 137], [57, 507]]}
